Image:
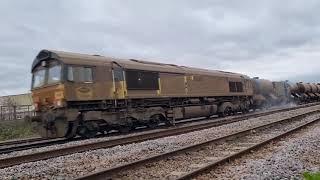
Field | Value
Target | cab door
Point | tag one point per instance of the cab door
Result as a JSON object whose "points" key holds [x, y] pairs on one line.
{"points": [[119, 83]]}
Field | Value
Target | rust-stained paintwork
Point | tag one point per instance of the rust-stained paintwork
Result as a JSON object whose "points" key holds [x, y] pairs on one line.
{"points": [[47, 96], [174, 81], [171, 92]]}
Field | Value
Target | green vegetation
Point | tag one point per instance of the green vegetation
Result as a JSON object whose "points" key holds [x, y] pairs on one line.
{"points": [[15, 129], [311, 176]]}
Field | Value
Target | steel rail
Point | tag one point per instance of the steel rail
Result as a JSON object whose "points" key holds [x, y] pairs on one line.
{"points": [[16, 160], [109, 173], [25, 144], [20, 141], [30, 145], [243, 152]]}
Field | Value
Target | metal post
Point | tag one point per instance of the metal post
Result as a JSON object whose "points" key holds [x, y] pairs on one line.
{"points": [[1, 113], [29, 114], [14, 112]]}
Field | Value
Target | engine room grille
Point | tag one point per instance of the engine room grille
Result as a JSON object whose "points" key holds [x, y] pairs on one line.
{"points": [[235, 86], [142, 80]]}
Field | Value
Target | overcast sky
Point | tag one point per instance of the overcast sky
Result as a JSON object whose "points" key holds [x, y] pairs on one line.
{"points": [[271, 39]]}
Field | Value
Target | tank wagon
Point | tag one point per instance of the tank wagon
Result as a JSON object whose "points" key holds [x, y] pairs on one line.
{"points": [[77, 94], [314, 91], [305, 92]]}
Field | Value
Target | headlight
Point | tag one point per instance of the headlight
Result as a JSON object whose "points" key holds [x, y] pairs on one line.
{"points": [[36, 106], [59, 103]]}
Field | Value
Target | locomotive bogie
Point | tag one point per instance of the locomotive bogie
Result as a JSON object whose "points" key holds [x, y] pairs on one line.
{"points": [[57, 122]]}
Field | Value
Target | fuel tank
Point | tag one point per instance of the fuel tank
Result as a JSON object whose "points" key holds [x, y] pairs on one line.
{"points": [[195, 111]]}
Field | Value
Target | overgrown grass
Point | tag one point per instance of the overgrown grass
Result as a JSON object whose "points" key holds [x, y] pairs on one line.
{"points": [[311, 176], [15, 129]]}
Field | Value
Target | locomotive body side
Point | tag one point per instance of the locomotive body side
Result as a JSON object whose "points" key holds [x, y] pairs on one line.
{"points": [[78, 94]]}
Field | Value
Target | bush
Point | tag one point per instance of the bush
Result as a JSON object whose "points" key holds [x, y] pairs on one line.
{"points": [[311, 176], [15, 129]]}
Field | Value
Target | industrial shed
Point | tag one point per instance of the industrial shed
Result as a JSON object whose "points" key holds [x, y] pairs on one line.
{"points": [[16, 106]]}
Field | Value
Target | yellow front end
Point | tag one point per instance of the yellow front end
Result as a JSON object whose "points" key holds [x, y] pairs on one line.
{"points": [[50, 106], [51, 97]]}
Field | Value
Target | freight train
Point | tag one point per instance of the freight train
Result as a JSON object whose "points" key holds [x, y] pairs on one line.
{"points": [[78, 94]]}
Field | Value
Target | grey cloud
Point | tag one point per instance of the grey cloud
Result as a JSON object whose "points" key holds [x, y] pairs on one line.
{"points": [[245, 36]]}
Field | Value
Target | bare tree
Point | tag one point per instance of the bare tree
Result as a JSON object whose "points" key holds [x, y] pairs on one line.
{"points": [[9, 110]]}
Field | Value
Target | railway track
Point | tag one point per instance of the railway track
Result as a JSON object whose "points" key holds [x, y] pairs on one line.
{"points": [[4, 149], [25, 144], [16, 160], [191, 161], [20, 141]]}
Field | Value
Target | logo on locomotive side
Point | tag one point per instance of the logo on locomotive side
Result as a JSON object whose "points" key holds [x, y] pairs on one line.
{"points": [[84, 92]]}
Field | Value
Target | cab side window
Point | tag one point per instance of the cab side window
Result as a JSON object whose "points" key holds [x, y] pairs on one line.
{"points": [[87, 75], [118, 74], [80, 74], [70, 73]]}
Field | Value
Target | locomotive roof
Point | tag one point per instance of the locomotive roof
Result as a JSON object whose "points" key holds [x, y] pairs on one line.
{"points": [[97, 60]]}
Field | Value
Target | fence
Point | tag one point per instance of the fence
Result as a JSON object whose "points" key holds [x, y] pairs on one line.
{"points": [[16, 112]]}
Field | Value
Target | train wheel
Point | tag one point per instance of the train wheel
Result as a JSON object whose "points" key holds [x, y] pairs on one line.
{"points": [[225, 109], [226, 112], [72, 132], [166, 121], [245, 109], [154, 121], [89, 129], [42, 130], [62, 127], [125, 129]]}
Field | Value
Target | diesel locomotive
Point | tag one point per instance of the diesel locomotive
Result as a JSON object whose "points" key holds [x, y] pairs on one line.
{"points": [[78, 94]]}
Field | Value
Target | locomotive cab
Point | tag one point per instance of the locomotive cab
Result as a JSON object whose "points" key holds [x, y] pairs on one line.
{"points": [[47, 85], [52, 80], [48, 93]]}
